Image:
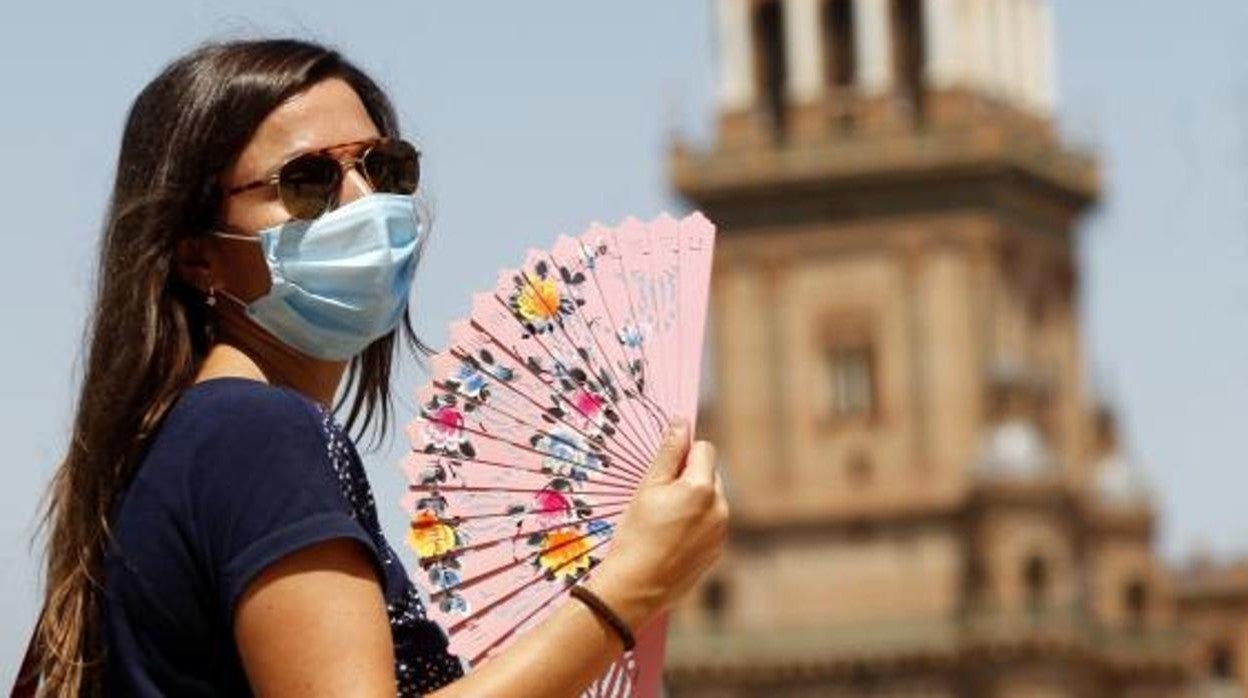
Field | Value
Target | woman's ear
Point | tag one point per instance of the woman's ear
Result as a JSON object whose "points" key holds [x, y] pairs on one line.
{"points": [[191, 264]]}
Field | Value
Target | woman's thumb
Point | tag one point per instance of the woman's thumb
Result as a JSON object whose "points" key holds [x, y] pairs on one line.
{"points": [[671, 454]]}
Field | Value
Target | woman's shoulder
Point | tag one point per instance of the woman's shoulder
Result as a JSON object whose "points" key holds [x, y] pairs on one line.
{"points": [[238, 475], [224, 428], [239, 404]]}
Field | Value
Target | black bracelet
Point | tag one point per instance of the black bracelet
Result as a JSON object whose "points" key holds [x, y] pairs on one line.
{"points": [[603, 611]]}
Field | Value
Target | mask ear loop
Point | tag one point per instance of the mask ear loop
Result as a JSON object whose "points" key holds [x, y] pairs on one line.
{"points": [[212, 297], [212, 289], [235, 236]]}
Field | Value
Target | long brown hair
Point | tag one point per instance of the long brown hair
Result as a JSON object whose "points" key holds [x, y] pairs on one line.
{"points": [[149, 330]]}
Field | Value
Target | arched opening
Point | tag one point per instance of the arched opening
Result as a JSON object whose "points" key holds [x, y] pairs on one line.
{"points": [[860, 472], [909, 53], [769, 64], [1036, 583], [1135, 601], [1221, 663], [839, 51], [715, 601]]}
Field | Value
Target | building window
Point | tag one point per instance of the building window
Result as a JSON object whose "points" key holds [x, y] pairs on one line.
{"points": [[850, 369], [909, 53], [715, 601], [769, 64], [1221, 664], [976, 580], [1135, 601], [859, 470], [838, 43], [1036, 583]]}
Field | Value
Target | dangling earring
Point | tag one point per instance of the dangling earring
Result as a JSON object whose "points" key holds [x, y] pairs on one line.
{"points": [[210, 318]]}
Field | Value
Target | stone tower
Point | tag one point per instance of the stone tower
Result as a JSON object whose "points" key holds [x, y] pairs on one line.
{"points": [[898, 397]]}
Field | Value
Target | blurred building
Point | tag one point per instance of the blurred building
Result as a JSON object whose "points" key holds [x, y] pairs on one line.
{"points": [[927, 501]]}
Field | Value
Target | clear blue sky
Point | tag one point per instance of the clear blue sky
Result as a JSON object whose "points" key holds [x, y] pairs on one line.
{"points": [[537, 118]]}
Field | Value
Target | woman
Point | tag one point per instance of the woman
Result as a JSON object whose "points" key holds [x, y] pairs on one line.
{"points": [[212, 530]]}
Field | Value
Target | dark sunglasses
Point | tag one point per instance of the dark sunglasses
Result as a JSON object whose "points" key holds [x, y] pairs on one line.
{"points": [[308, 184]]}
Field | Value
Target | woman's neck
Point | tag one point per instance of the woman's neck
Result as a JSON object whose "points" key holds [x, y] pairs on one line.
{"points": [[252, 353]]}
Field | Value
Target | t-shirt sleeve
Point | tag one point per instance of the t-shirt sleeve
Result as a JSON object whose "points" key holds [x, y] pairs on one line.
{"points": [[262, 487]]}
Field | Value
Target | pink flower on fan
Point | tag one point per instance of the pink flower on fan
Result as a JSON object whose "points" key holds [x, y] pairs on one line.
{"points": [[445, 428], [588, 403], [552, 507]]}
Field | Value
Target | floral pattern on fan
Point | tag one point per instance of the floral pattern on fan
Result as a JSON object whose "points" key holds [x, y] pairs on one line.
{"points": [[539, 422], [436, 541], [568, 455], [539, 303]]}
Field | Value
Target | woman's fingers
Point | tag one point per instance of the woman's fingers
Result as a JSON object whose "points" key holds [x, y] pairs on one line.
{"points": [[700, 467], [667, 462]]}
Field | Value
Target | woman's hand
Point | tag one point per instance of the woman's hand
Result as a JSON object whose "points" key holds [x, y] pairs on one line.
{"points": [[672, 532]]}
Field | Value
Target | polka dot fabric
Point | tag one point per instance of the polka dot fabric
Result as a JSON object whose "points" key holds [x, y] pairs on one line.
{"points": [[422, 663]]}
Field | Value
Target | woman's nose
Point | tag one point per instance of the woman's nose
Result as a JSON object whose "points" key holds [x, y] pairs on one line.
{"points": [[353, 186]]}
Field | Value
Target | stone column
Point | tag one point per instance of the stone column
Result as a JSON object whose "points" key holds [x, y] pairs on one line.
{"points": [[802, 50], [1046, 69], [875, 62], [736, 90], [941, 37], [1001, 44], [976, 43]]}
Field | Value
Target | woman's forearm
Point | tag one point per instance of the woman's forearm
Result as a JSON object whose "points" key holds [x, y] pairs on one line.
{"points": [[559, 657]]}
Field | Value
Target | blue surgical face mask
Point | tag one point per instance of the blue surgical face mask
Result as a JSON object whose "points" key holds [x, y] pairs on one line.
{"points": [[340, 281]]}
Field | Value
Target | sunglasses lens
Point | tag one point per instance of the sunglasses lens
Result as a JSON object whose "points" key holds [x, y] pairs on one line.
{"points": [[393, 167], [308, 185]]}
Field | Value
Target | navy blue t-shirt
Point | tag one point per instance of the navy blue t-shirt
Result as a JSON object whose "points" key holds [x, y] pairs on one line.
{"points": [[239, 474]]}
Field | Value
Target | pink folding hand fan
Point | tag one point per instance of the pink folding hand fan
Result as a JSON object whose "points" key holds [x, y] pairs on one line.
{"points": [[541, 418]]}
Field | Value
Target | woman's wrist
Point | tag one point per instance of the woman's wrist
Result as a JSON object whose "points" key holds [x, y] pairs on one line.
{"points": [[606, 614], [635, 603]]}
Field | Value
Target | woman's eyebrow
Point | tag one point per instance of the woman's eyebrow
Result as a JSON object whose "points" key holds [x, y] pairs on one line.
{"points": [[294, 153], [304, 149], [268, 172]]}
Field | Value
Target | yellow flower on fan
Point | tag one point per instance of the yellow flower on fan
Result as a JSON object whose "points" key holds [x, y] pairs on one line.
{"points": [[565, 553], [429, 536], [538, 300]]}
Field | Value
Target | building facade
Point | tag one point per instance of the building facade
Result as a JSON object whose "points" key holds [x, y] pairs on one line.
{"points": [[927, 500]]}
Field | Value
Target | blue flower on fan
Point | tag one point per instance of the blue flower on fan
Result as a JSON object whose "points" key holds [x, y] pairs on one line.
{"points": [[591, 253], [600, 528], [444, 577], [631, 336], [499, 371], [454, 603], [470, 381], [567, 453], [445, 580]]}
